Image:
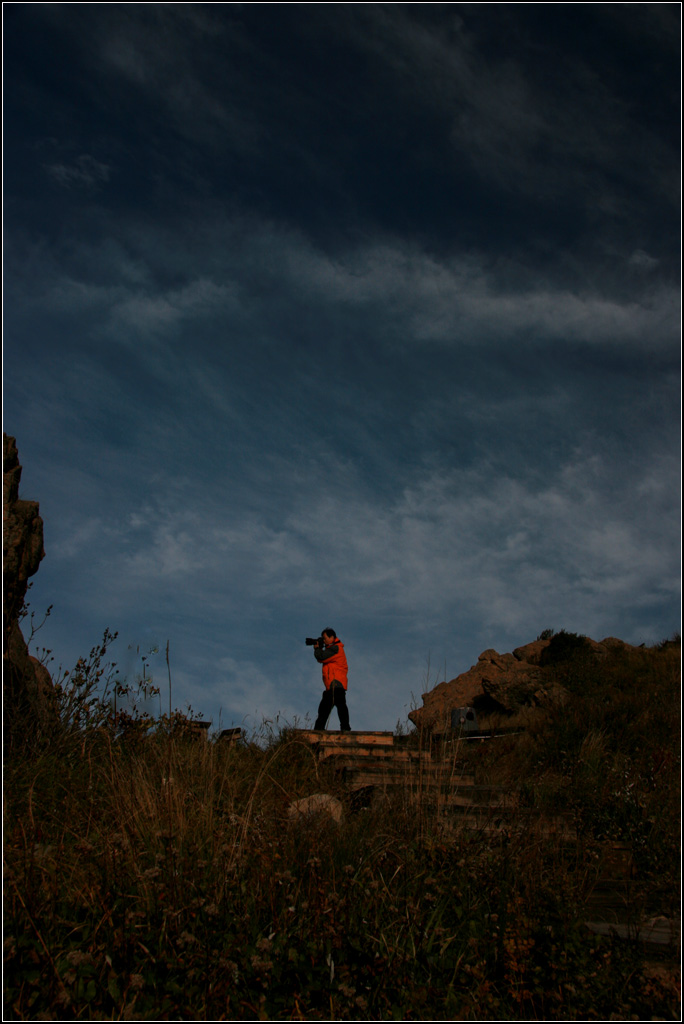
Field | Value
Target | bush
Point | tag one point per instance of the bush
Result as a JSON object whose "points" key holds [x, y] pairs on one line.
{"points": [[546, 634], [563, 647]]}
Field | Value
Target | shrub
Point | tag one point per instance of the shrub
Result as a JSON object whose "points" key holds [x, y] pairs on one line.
{"points": [[563, 647], [546, 634]]}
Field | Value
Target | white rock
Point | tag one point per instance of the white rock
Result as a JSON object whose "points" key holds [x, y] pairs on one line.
{"points": [[318, 803]]}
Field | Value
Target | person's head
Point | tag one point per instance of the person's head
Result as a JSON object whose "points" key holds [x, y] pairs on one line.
{"points": [[328, 635]]}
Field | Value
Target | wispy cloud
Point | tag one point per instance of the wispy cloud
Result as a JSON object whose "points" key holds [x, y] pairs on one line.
{"points": [[509, 554], [643, 261], [84, 172], [507, 547], [505, 120], [417, 297]]}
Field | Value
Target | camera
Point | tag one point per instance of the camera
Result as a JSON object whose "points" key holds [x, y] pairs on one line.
{"points": [[314, 642]]}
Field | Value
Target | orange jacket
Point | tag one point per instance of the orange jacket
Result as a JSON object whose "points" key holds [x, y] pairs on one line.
{"points": [[335, 667]]}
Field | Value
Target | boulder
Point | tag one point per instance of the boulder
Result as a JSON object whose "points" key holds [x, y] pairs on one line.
{"points": [[510, 686], [500, 682], [500, 661], [531, 653], [318, 804], [439, 702]]}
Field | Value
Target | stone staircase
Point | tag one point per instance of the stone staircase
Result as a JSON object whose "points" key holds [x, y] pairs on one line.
{"points": [[374, 765], [377, 764]]}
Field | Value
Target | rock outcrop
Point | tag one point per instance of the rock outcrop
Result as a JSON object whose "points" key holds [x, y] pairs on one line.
{"points": [[502, 682], [27, 683]]}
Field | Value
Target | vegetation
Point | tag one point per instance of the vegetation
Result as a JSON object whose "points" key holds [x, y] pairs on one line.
{"points": [[563, 647], [152, 876]]}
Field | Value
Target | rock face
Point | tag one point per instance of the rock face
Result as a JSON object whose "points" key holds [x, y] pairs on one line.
{"points": [[500, 682], [27, 684], [22, 533]]}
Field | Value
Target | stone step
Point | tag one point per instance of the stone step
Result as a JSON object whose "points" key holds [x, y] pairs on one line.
{"points": [[407, 772], [613, 892], [657, 934], [542, 831], [493, 820], [396, 773], [379, 753], [394, 767], [619, 907], [383, 758], [392, 779], [460, 803], [333, 739]]}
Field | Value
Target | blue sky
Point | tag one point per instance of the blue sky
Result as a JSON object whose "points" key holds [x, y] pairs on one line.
{"points": [[362, 315]]}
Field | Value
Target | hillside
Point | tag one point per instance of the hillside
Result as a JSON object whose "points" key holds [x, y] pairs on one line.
{"points": [[507, 683], [157, 876]]}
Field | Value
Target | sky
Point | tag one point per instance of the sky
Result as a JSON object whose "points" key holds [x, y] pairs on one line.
{"points": [[351, 315]]}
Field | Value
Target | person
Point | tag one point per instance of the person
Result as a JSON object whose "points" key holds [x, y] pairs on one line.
{"points": [[330, 654]]}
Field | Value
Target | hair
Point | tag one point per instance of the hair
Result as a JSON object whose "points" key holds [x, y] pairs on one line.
{"points": [[329, 631]]}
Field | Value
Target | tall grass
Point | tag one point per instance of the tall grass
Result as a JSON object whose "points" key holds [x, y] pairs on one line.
{"points": [[157, 877]]}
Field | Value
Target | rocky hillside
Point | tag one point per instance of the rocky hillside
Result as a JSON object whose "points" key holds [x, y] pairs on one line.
{"points": [[507, 682]]}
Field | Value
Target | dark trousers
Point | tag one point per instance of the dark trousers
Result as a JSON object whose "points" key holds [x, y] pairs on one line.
{"points": [[336, 696]]}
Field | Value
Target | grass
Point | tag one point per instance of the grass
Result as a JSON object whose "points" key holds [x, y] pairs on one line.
{"points": [[155, 877]]}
